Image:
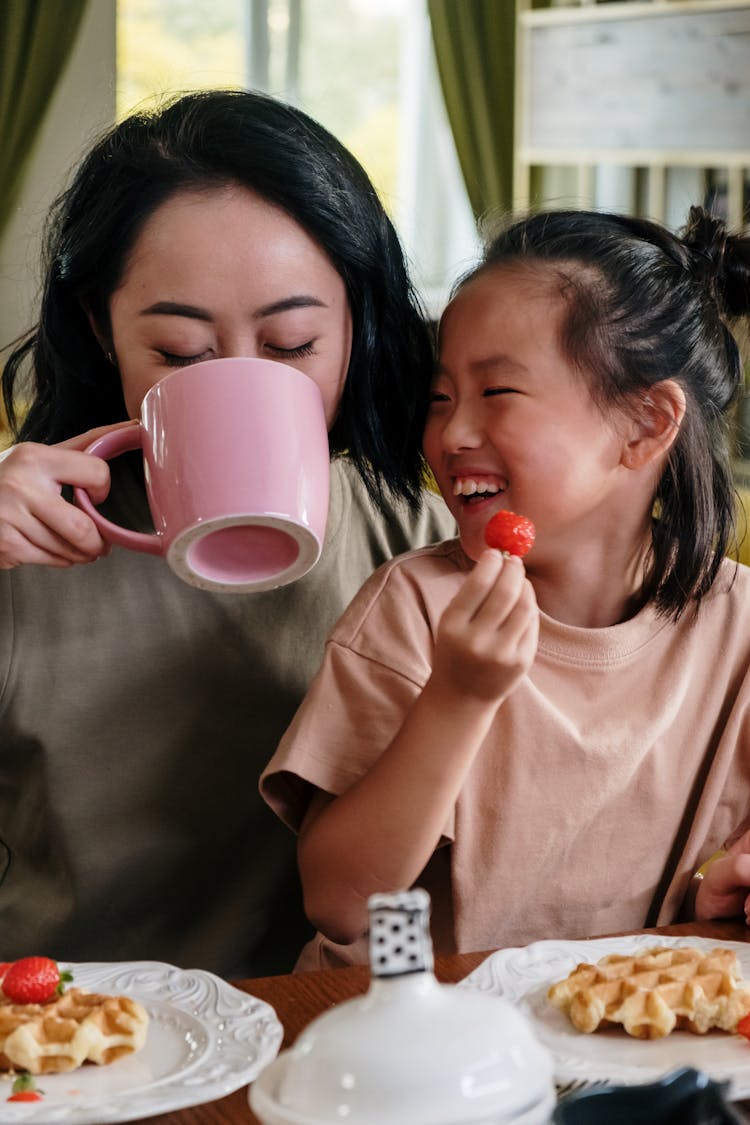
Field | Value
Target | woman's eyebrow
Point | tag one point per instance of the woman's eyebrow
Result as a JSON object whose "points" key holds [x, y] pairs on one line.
{"points": [[300, 301], [174, 308]]}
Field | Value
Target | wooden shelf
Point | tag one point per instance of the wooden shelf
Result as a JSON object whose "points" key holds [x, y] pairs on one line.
{"points": [[645, 85]]}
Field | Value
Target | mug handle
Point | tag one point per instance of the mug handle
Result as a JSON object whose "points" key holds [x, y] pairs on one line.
{"points": [[107, 446]]}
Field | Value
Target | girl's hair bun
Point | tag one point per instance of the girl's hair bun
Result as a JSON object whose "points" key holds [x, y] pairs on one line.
{"points": [[720, 259]]}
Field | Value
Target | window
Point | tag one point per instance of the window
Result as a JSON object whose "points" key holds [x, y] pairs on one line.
{"points": [[364, 68]]}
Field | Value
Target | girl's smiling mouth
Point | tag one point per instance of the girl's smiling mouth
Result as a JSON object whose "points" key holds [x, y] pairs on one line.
{"points": [[474, 489]]}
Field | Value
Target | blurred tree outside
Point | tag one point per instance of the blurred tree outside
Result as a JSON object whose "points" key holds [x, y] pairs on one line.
{"points": [[170, 46], [349, 68]]}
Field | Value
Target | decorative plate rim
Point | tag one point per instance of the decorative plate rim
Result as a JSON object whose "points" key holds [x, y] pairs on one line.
{"points": [[522, 974], [225, 1038]]}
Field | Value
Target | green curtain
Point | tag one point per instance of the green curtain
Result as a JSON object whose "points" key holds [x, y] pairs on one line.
{"points": [[36, 37], [475, 47]]}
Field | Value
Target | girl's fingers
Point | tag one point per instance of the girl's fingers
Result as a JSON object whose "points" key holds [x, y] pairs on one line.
{"points": [[510, 589], [494, 606], [490, 590], [482, 579], [520, 629]]}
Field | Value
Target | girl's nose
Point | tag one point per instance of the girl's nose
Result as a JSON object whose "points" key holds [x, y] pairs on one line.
{"points": [[462, 430]]}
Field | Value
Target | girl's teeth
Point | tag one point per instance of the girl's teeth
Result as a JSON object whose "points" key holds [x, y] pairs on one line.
{"points": [[467, 487]]}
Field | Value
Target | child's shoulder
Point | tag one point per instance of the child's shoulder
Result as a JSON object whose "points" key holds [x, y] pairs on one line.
{"points": [[733, 583], [405, 593], [422, 566], [725, 609]]}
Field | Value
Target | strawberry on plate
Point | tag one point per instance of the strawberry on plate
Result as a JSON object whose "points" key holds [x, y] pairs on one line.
{"points": [[510, 533], [24, 1090], [33, 980]]}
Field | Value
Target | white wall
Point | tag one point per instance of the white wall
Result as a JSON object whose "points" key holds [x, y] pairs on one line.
{"points": [[83, 105]]}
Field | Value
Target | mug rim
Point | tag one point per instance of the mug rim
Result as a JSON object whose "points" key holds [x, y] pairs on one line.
{"points": [[227, 359]]}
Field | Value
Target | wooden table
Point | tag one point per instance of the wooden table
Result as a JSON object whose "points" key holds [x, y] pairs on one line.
{"points": [[299, 998]]}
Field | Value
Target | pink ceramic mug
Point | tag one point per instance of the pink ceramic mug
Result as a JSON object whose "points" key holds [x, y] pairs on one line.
{"points": [[237, 474]]}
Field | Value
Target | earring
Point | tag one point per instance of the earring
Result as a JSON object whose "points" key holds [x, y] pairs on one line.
{"points": [[110, 358]]}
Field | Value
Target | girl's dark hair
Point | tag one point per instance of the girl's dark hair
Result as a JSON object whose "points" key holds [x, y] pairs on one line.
{"points": [[205, 140], [644, 305]]}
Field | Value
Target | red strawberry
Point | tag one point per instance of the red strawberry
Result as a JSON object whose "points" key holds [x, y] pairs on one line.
{"points": [[24, 1090], [510, 533], [4, 966], [33, 980]]}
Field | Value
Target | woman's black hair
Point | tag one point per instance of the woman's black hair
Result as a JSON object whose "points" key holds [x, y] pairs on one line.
{"points": [[643, 305], [203, 140]]}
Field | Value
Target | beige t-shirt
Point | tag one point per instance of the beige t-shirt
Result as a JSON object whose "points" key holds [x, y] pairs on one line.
{"points": [[619, 764]]}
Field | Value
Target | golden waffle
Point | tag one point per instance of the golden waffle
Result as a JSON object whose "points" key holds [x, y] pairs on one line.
{"points": [[75, 1028], [655, 991]]}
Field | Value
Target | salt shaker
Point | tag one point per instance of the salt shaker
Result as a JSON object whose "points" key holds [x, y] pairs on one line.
{"points": [[411, 1051]]}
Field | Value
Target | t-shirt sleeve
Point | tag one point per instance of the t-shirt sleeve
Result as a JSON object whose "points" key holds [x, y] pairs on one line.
{"points": [[376, 663]]}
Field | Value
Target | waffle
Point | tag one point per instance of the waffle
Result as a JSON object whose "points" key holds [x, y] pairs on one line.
{"points": [[652, 993], [76, 1027]]}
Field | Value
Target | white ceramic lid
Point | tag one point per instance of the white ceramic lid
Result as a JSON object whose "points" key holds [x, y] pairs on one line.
{"points": [[411, 1051]]}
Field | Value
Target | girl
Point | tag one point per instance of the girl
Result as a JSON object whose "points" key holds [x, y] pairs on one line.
{"points": [[136, 713], [551, 747]]}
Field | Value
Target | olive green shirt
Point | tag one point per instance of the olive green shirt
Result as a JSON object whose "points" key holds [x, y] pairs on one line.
{"points": [[136, 715]]}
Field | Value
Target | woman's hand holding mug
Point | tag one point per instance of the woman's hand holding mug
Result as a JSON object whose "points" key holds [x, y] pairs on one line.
{"points": [[37, 525]]}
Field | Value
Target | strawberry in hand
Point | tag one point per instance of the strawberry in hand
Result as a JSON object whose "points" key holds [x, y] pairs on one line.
{"points": [[33, 980], [512, 534]]}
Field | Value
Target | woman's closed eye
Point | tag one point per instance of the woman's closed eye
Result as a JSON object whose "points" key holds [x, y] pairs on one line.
{"points": [[173, 359], [488, 391], [293, 353]]}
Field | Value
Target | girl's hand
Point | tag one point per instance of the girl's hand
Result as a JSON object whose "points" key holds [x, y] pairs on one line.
{"points": [[724, 891], [37, 525], [487, 636]]}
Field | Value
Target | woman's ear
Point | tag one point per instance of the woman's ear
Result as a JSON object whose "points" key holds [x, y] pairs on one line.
{"points": [[102, 336], [654, 423]]}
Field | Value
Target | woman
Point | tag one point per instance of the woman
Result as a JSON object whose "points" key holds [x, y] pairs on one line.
{"points": [[138, 712]]}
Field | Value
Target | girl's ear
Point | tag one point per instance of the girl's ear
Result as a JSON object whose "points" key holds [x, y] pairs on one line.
{"points": [[654, 424]]}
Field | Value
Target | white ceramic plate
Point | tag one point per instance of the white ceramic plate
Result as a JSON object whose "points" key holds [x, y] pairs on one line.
{"points": [[205, 1039], [524, 975]]}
